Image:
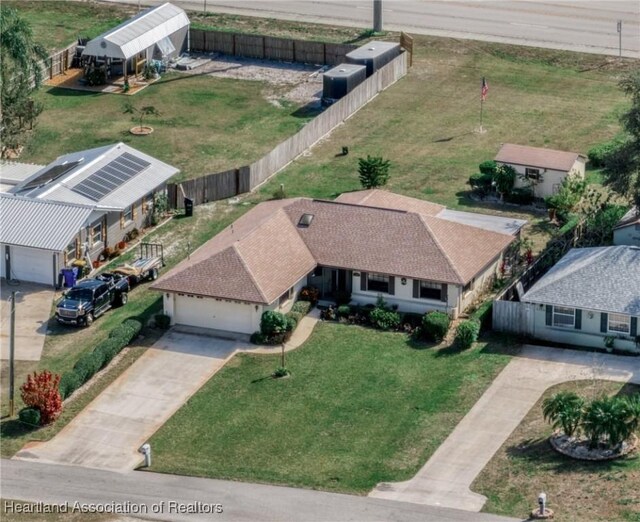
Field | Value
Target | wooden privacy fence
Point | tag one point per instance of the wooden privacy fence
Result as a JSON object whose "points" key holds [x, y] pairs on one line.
{"points": [[247, 178], [268, 47], [513, 317]]}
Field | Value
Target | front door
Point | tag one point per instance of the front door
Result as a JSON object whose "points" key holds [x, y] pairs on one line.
{"points": [[339, 281]]}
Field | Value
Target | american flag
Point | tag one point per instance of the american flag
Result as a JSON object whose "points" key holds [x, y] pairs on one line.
{"points": [[485, 89]]}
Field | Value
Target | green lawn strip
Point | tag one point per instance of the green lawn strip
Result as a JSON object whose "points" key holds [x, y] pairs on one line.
{"points": [[577, 490], [361, 407]]}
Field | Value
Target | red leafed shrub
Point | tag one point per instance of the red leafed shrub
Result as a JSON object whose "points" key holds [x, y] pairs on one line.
{"points": [[40, 391]]}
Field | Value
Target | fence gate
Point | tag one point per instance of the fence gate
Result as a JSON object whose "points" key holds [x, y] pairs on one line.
{"points": [[513, 317]]}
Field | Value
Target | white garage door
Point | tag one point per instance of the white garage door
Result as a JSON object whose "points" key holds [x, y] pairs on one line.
{"points": [[31, 264], [209, 313]]}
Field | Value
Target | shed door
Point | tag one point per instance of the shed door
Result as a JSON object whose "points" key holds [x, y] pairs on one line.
{"points": [[31, 264]]}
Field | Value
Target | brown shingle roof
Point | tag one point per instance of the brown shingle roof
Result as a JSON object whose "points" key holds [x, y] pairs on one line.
{"points": [[385, 199], [266, 252], [537, 157]]}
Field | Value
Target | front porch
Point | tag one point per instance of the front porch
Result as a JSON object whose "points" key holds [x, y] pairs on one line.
{"points": [[333, 283]]}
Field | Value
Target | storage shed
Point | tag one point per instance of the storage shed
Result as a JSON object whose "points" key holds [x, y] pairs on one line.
{"points": [[159, 33], [341, 80], [374, 55]]}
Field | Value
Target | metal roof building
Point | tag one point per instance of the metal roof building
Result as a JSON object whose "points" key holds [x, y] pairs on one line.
{"points": [[107, 178], [12, 173], [160, 29]]}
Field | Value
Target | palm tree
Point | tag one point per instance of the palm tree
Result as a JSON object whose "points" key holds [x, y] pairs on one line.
{"points": [[606, 420], [564, 410], [632, 403]]}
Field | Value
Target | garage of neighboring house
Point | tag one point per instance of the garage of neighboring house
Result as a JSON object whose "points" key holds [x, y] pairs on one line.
{"points": [[36, 235]]}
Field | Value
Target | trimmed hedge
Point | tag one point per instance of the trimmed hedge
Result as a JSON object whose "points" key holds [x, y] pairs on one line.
{"points": [[69, 382], [483, 315], [30, 417], [467, 334], [384, 319], [295, 316], [435, 325], [302, 307]]}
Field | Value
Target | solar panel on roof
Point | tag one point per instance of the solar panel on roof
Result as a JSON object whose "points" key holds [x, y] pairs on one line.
{"points": [[51, 174], [111, 176]]}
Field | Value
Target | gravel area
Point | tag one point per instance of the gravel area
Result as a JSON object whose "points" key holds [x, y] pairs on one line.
{"points": [[294, 82]]}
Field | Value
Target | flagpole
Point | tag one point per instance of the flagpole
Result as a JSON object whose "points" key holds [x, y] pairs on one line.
{"points": [[481, 107]]}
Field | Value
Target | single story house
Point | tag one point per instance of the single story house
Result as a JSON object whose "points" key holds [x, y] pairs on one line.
{"points": [[541, 169], [159, 33], [627, 231], [12, 173], [366, 243], [115, 185], [35, 235], [589, 295]]}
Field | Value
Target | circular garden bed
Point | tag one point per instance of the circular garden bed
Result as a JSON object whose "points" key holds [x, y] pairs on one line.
{"points": [[578, 448]]}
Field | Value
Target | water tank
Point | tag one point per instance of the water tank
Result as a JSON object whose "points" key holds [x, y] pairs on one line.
{"points": [[341, 80], [374, 55]]}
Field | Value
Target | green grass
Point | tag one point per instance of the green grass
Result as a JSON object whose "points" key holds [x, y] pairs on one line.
{"points": [[577, 490], [360, 407]]}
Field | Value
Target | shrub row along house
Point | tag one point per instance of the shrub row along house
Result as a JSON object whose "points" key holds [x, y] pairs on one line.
{"points": [[75, 208], [418, 255]]}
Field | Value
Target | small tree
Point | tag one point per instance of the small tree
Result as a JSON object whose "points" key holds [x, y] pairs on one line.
{"points": [[605, 422], [140, 112], [373, 171], [40, 391], [568, 198], [564, 410], [273, 322], [504, 177]]}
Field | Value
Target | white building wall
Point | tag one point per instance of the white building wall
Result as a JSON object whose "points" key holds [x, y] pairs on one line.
{"points": [[551, 179]]}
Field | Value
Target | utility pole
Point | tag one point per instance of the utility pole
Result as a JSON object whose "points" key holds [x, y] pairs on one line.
{"points": [[620, 38], [12, 350], [377, 16]]}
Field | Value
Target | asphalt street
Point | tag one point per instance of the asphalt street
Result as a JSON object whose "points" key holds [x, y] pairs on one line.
{"points": [[580, 25], [143, 493]]}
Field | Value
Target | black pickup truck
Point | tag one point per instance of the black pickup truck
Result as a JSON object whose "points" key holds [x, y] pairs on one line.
{"points": [[91, 298]]}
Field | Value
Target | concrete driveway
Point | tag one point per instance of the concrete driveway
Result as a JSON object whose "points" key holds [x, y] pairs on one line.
{"points": [[446, 478], [108, 432], [33, 309]]}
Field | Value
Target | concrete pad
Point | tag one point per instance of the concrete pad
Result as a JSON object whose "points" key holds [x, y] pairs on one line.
{"points": [[33, 309], [109, 431], [446, 478]]}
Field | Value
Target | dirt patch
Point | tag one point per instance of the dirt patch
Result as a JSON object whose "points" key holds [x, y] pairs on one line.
{"points": [[293, 82]]}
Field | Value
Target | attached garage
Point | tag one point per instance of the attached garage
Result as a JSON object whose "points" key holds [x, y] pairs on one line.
{"points": [[217, 314], [31, 264]]}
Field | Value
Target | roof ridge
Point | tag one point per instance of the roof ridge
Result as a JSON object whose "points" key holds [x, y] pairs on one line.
{"points": [[8, 195], [361, 205], [248, 270], [440, 247]]}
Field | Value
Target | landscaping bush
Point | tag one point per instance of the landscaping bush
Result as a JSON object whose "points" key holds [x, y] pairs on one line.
{"points": [[520, 196], [292, 322], [258, 338], [342, 297], [309, 293], [488, 167], [481, 182], [41, 391], [163, 321], [87, 366], [384, 319], [467, 334], [302, 307], [108, 349], [483, 315], [29, 416], [127, 331], [504, 177], [295, 316], [69, 383], [344, 310], [599, 153], [435, 326], [273, 322]]}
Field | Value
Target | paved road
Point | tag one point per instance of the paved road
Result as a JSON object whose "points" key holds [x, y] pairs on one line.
{"points": [[108, 432], [446, 478], [577, 25], [240, 501]]}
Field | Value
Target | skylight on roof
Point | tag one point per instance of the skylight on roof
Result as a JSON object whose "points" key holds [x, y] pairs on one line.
{"points": [[305, 220]]}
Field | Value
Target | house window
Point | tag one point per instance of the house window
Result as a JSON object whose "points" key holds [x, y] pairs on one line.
{"points": [[430, 290], [564, 317], [286, 296], [147, 203], [378, 283], [70, 251], [128, 214], [96, 232], [533, 174], [619, 323]]}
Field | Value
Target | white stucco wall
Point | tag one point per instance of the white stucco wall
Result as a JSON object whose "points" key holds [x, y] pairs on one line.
{"points": [[286, 306], [629, 235], [480, 283], [551, 179], [589, 335]]}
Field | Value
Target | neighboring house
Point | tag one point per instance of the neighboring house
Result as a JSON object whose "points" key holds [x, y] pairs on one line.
{"points": [[541, 169], [35, 236], [117, 183], [12, 173], [367, 243], [590, 294], [627, 231], [159, 33]]}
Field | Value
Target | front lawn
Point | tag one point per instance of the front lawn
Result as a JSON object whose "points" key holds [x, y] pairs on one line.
{"points": [[361, 407], [576, 490]]}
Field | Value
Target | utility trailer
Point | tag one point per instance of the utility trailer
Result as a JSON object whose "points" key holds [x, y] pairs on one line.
{"points": [[146, 267]]}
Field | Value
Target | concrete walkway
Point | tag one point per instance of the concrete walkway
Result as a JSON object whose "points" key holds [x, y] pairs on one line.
{"points": [[298, 338], [108, 432], [446, 478]]}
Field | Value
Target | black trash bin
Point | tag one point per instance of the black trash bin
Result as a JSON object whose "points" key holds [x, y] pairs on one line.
{"points": [[188, 207]]}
